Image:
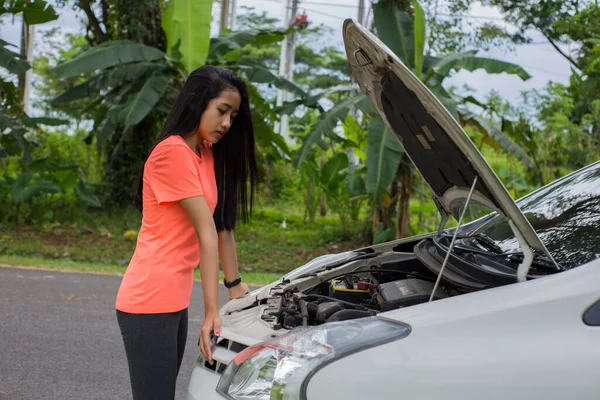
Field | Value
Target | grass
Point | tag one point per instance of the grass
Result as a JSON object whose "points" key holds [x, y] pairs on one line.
{"points": [[252, 278], [103, 243]]}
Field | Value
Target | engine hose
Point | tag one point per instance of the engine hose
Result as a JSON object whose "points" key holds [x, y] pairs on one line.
{"points": [[303, 311]]}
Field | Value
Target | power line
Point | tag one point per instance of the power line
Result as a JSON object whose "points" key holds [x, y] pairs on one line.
{"points": [[543, 70], [473, 17], [318, 3], [439, 13], [325, 14], [328, 4]]}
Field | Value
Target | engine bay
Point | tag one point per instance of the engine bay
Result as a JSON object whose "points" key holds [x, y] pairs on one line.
{"points": [[358, 289]]}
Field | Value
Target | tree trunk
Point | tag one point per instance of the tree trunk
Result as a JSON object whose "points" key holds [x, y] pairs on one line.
{"points": [[25, 76], [269, 181], [93, 23], [511, 179], [323, 206], [323, 199], [422, 200], [127, 149], [404, 186]]}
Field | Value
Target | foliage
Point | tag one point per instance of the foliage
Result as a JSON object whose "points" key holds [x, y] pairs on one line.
{"points": [[99, 237], [49, 86], [284, 185], [187, 26], [124, 73], [403, 29], [143, 81], [29, 180], [34, 12], [562, 144], [134, 82], [383, 158], [54, 183]]}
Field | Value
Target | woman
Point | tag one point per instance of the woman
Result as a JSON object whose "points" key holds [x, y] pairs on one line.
{"points": [[197, 181]]}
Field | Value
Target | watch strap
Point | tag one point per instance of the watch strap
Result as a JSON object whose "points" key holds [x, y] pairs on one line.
{"points": [[233, 283]]}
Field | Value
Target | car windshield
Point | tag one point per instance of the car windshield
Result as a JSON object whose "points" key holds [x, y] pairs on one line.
{"points": [[565, 215]]}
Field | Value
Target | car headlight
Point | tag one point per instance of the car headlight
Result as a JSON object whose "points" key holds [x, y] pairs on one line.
{"points": [[279, 368]]}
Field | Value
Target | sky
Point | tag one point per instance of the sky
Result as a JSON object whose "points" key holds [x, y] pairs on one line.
{"points": [[541, 60]]}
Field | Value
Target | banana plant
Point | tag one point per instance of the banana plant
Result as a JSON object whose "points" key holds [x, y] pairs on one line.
{"points": [[34, 12], [130, 80], [405, 35], [37, 177], [187, 27]]}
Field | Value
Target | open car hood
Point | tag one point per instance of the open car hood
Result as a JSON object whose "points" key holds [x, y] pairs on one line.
{"points": [[433, 140]]}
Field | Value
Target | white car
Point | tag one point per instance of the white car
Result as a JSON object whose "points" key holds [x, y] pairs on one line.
{"points": [[505, 307]]}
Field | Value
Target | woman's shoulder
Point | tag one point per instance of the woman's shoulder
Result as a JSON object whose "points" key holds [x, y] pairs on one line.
{"points": [[171, 146], [172, 142]]}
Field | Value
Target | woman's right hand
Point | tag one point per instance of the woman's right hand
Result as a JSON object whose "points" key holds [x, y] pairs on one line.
{"points": [[212, 323], [238, 291]]}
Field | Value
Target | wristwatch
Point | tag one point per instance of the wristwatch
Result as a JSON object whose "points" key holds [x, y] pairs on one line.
{"points": [[233, 283]]}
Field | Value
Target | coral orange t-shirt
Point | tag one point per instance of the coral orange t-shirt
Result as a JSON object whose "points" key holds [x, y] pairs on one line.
{"points": [[160, 275]]}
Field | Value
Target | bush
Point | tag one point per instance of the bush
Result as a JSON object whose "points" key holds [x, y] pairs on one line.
{"points": [[61, 147], [54, 183], [285, 183]]}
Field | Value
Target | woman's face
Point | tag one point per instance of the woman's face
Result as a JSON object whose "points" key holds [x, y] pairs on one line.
{"points": [[219, 115]]}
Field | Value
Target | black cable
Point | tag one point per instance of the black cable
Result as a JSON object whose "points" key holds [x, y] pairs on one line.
{"points": [[376, 270], [415, 274], [319, 296]]}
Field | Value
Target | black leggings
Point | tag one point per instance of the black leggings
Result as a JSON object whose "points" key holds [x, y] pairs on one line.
{"points": [[154, 344]]}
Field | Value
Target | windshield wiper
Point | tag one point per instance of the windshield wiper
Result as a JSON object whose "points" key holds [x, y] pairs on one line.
{"points": [[482, 239], [494, 250], [539, 261], [487, 242], [361, 256]]}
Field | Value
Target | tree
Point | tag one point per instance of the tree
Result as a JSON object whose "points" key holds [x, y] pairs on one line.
{"points": [[36, 177], [401, 26], [48, 86], [574, 22], [111, 21], [451, 29], [548, 17], [135, 84]]}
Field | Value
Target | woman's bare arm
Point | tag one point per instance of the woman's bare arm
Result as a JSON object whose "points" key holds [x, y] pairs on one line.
{"points": [[229, 260], [202, 220]]}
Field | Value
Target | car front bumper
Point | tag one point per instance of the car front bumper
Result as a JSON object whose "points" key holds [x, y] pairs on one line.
{"points": [[203, 384]]}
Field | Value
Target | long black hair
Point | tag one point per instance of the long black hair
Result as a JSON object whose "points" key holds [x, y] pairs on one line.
{"points": [[234, 154]]}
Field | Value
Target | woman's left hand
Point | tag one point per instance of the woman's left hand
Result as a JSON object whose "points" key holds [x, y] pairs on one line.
{"points": [[238, 291]]}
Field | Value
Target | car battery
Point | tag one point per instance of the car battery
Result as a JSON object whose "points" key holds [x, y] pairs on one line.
{"points": [[351, 290]]}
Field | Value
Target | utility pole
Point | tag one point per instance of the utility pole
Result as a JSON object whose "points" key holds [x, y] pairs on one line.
{"points": [[361, 12], [27, 33], [224, 23], [286, 67], [233, 15], [282, 61], [352, 157]]}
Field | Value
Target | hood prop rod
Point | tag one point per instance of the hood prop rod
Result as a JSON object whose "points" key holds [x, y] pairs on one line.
{"points": [[523, 269], [464, 212]]}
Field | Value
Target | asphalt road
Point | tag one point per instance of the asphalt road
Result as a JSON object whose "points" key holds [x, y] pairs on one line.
{"points": [[59, 337]]}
